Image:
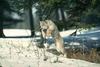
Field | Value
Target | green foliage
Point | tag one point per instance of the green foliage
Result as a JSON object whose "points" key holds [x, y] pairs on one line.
{"points": [[77, 9], [20, 4]]}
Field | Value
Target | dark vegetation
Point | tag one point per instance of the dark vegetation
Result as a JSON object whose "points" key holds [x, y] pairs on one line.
{"points": [[92, 56]]}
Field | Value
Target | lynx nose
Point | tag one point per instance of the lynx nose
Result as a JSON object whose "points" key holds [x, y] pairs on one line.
{"points": [[45, 30]]}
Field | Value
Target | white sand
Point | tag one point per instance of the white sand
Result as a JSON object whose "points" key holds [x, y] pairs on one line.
{"points": [[23, 53]]}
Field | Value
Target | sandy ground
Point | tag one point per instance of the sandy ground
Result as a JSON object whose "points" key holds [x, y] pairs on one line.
{"points": [[24, 53]]}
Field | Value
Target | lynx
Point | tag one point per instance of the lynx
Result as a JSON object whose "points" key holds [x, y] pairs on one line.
{"points": [[50, 29]]}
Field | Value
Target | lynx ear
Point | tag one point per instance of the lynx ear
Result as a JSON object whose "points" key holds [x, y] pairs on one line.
{"points": [[41, 23], [46, 21], [50, 22]]}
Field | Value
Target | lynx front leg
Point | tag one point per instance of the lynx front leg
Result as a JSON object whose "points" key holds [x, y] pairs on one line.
{"points": [[44, 55]]}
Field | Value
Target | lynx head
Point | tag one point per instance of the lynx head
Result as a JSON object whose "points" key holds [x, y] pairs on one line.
{"points": [[47, 27]]}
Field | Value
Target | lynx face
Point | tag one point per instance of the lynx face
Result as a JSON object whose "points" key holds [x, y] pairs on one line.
{"points": [[47, 28]]}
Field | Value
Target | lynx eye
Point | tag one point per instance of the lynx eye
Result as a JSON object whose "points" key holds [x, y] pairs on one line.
{"points": [[45, 30]]}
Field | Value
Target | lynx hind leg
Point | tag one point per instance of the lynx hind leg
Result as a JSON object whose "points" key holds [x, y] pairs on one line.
{"points": [[63, 52], [60, 47]]}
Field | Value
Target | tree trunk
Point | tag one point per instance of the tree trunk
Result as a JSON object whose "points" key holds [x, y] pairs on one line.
{"points": [[1, 29], [1, 22], [31, 19], [31, 22], [63, 17]]}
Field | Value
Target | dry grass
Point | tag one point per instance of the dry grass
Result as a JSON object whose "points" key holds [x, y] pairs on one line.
{"points": [[92, 56]]}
